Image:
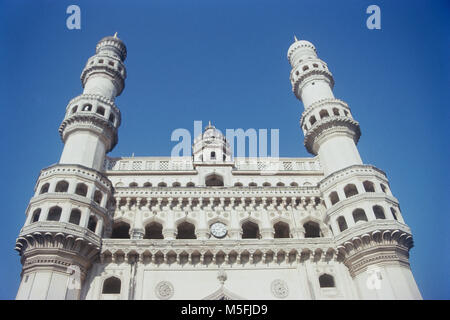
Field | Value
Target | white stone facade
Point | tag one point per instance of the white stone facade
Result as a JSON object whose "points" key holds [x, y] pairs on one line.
{"points": [[326, 227]]}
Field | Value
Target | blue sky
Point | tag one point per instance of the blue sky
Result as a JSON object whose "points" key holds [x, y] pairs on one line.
{"points": [[225, 61]]}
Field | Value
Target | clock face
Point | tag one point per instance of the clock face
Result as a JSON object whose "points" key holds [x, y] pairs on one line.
{"points": [[218, 230]]}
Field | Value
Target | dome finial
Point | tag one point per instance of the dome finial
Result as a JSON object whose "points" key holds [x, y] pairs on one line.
{"points": [[115, 35], [295, 38]]}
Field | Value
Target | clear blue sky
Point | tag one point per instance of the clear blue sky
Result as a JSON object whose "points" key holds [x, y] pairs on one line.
{"points": [[225, 61]]}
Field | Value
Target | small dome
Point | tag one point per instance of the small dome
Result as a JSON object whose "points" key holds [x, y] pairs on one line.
{"points": [[299, 44], [113, 43]]}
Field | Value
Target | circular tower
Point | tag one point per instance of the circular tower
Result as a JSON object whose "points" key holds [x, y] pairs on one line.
{"points": [[73, 203], [369, 231]]}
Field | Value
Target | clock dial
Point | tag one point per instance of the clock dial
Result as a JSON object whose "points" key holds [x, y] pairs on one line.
{"points": [[218, 230]]}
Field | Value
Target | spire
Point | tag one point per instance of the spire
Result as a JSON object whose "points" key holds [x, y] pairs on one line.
{"points": [[295, 38], [115, 35]]}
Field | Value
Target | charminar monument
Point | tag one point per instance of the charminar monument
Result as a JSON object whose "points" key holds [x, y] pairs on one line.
{"points": [[213, 226]]}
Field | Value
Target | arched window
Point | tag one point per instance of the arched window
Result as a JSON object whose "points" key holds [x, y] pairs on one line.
{"points": [[334, 198], [54, 214], [36, 215], [133, 185], [213, 155], [121, 230], [379, 212], [312, 120], [111, 286], [350, 190], [186, 230], [305, 68], [214, 180], [336, 111], [81, 189], [342, 224], [62, 186], [326, 281], [44, 188], [75, 216], [294, 184], [162, 184], [111, 117], [147, 184], [98, 196], [266, 184], [92, 223], [101, 111], [280, 184], [312, 229], [238, 184], [250, 230], [153, 230], [87, 107], [74, 109], [323, 114], [281, 230], [383, 188], [176, 184], [368, 186], [252, 184], [359, 215], [190, 184], [394, 213]]}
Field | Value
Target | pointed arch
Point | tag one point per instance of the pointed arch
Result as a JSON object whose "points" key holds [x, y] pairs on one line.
{"points": [[223, 294]]}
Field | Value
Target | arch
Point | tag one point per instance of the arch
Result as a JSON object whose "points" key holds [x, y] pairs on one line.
{"points": [[350, 190], [147, 184], [213, 155], [394, 213], [238, 184], [250, 230], [111, 285], [267, 184], [214, 180], [323, 113], [153, 230], [74, 109], [36, 215], [111, 117], [176, 185], [87, 107], [44, 188], [336, 112], [379, 212], [368, 186], [294, 184], [121, 230], [133, 185], [305, 68], [334, 197], [383, 188], [312, 120], [342, 223], [280, 184], [92, 223], [312, 230], [75, 216], [62, 186], [162, 184], [252, 184], [100, 111], [98, 196], [190, 184], [281, 230], [54, 214], [326, 281], [186, 230], [81, 189], [359, 215]]}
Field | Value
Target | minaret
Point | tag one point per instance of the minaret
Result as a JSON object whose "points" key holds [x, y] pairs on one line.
{"points": [[370, 234], [327, 123], [211, 147], [73, 203], [89, 129]]}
